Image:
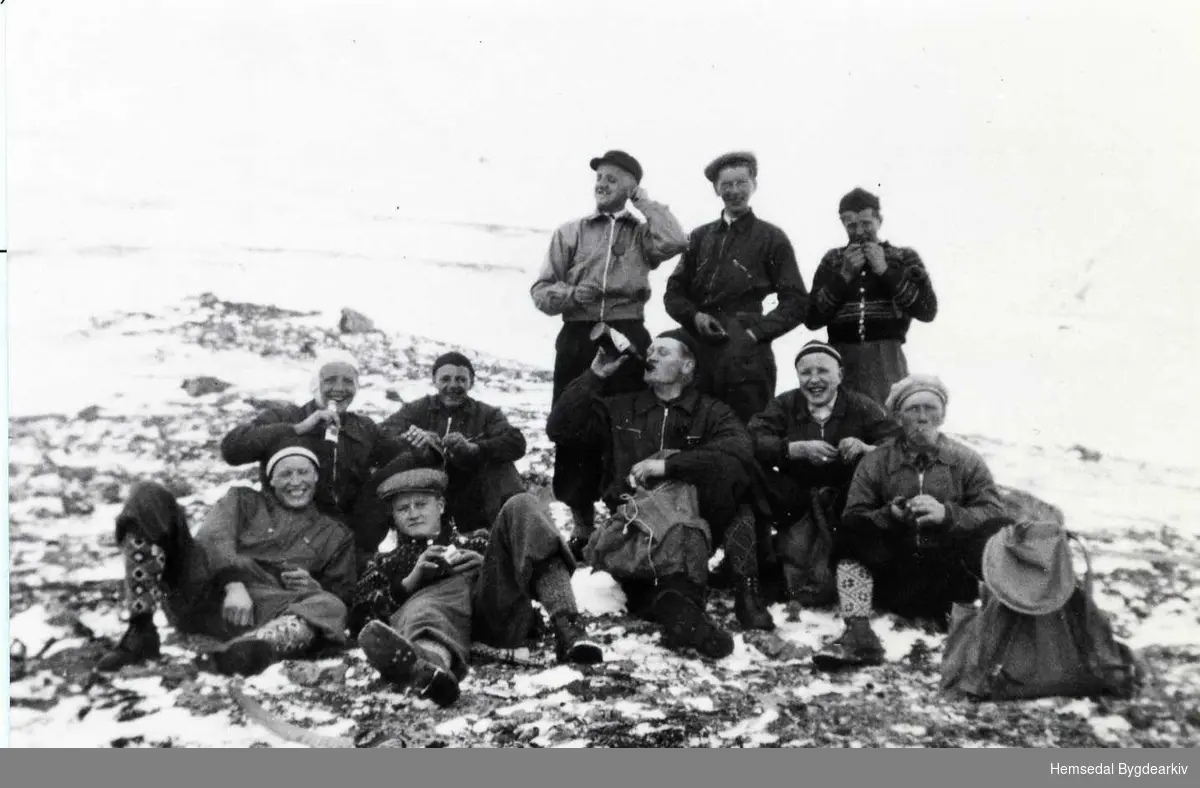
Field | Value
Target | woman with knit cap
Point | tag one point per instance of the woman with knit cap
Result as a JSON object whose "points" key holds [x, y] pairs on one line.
{"points": [[266, 569], [919, 512], [348, 445]]}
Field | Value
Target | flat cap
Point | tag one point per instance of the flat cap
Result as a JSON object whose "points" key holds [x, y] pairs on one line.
{"points": [[737, 158], [619, 158], [429, 480]]}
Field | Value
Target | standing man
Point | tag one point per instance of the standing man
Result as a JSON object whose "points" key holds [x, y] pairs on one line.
{"points": [[716, 291], [597, 270], [868, 293]]}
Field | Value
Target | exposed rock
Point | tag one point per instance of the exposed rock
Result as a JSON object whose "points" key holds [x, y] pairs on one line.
{"points": [[393, 396], [90, 413], [205, 384], [353, 322]]}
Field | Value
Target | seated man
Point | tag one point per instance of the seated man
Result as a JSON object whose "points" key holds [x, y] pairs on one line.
{"points": [[809, 440], [266, 567], [475, 441], [919, 513], [714, 453], [417, 608]]}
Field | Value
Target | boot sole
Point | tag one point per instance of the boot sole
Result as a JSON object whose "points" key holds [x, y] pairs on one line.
{"points": [[585, 652], [442, 688], [244, 658], [388, 652]]}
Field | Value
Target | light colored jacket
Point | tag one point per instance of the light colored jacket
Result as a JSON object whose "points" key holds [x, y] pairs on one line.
{"points": [[614, 255]]}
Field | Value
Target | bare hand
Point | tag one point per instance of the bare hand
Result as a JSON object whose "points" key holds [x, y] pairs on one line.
{"points": [[317, 420], [853, 261], [898, 508], [852, 448], [604, 365], [297, 579], [875, 258], [647, 470], [458, 447], [927, 510], [586, 293], [708, 326], [238, 608], [465, 561], [818, 452], [431, 566], [423, 439]]}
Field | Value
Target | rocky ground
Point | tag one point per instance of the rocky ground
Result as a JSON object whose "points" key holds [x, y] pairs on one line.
{"points": [[69, 472]]}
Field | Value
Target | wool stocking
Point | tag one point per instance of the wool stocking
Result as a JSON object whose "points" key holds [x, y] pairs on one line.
{"points": [[854, 588], [552, 585], [144, 562]]}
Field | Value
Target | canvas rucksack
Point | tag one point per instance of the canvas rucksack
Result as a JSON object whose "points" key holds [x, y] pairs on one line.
{"points": [[994, 652]]}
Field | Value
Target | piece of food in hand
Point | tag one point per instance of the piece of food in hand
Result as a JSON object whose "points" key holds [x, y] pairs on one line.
{"points": [[450, 555]]}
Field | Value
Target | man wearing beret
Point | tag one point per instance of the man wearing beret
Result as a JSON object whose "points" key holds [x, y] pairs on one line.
{"points": [[597, 270], [418, 608], [716, 291], [867, 293], [476, 441], [918, 515], [669, 430]]}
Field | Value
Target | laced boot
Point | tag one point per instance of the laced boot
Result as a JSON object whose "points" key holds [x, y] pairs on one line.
{"points": [[748, 605], [435, 683], [139, 643], [857, 646], [686, 625], [572, 643]]}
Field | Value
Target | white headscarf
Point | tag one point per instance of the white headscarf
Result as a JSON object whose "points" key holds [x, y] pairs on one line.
{"points": [[327, 357]]}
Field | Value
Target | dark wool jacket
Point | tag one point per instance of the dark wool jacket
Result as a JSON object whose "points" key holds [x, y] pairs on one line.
{"points": [[479, 422], [871, 307], [628, 428], [361, 447], [788, 419], [380, 590], [730, 269]]}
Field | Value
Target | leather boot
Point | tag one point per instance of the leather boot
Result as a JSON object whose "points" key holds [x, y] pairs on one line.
{"points": [[748, 605], [139, 643], [403, 664], [858, 646], [572, 643], [686, 625], [252, 653]]}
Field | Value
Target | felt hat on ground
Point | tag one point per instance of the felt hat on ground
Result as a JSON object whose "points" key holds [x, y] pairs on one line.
{"points": [[1028, 567]]}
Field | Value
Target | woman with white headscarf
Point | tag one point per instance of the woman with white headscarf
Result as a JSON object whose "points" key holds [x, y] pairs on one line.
{"points": [[348, 445], [266, 570]]}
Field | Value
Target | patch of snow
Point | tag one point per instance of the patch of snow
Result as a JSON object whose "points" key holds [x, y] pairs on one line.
{"points": [[637, 710], [573, 744], [453, 727], [597, 593], [822, 686], [1172, 623], [755, 725], [554, 678], [1109, 728], [1080, 707], [704, 704], [31, 628]]}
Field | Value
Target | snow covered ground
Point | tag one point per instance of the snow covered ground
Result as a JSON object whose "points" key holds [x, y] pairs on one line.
{"points": [[410, 163]]}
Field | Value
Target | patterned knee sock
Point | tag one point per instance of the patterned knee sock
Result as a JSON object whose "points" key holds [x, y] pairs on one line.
{"points": [[552, 584], [144, 562], [435, 652], [288, 635], [854, 587], [741, 544]]}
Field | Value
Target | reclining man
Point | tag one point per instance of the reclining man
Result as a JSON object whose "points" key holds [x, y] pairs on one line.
{"points": [[713, 452], [919, 512], [266, 569], [417, 608], [808, 442], [474, 440]]}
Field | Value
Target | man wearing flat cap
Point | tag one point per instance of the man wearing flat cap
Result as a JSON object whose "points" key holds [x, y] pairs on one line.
{"points": [[867, 294], [919, 513], [475, 441], [597, 270], [670, 431], [716, 291], [809, 441], [418, 608]]}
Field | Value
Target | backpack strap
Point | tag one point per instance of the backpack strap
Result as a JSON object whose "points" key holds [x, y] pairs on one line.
{"points": [[1087, 561]]}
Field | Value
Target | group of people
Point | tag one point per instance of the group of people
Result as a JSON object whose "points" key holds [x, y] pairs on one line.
{"points": [[296, 566]]}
